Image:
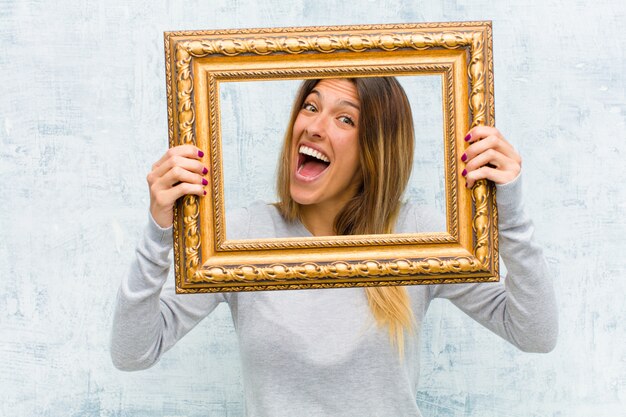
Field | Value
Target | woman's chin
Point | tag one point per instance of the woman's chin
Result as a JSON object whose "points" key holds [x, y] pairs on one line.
{"points": [[303, 197], [303, 200]]}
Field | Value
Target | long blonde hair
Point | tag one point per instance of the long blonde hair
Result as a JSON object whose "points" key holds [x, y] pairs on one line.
{"points": [[386, 157]]}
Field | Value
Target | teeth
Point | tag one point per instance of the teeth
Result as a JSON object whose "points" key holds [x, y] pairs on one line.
{"points": [[312, 152]]}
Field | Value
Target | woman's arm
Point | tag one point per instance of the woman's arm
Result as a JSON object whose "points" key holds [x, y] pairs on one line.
{"points": [[149, 316], [522, 309]]}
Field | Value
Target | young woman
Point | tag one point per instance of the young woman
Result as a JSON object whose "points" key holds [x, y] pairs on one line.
{"points": [[345, 163]]}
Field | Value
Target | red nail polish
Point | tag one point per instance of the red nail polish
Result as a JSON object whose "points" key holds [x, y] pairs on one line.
{"points": [[464, 157], [204, 192], [200, 154], [464, 173], [468, 137], [204, 171], [204, 181]]}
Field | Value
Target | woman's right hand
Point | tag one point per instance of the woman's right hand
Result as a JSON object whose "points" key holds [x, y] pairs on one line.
{"points": [[179, 172]]}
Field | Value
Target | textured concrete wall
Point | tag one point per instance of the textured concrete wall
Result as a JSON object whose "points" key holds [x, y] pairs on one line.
{"points": [[82, 118]]}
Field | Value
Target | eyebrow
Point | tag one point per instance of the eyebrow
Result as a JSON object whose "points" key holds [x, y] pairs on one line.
{"points": [[341, 102]]}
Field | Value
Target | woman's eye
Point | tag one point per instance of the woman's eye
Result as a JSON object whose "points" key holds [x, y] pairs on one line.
{"points": [[347, 120], [309, 107]]}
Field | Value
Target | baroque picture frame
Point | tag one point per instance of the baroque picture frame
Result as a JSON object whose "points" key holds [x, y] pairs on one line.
{"points": [[197, 61]]}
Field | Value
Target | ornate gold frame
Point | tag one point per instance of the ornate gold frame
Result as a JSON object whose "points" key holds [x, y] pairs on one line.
{"points": [[195, 64]]}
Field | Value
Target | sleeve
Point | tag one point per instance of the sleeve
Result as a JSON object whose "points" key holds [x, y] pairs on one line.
{"points": [[149, 316], [522, 309]]}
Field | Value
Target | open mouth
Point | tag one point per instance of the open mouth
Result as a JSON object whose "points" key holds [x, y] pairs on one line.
{"points": [[311, 163]]}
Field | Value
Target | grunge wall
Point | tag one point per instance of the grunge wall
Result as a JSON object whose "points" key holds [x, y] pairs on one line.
{"points": [[83, 117]]}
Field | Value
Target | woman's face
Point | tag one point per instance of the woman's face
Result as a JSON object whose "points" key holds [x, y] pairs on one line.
{"points": [[325, 151]]}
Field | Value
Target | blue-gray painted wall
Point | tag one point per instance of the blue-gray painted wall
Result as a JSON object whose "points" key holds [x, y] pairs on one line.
{"points": [[83, 117]]}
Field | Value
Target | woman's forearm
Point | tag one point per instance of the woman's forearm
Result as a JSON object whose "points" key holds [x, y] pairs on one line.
{"points": [[522, 308], [138, 325], [149, 316]]}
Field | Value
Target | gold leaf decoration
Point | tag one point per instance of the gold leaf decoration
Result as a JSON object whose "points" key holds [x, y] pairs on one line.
{"points": [[357, 39]]}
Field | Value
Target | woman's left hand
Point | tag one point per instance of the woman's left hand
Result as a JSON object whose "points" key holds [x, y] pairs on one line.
{"points": [[489, 156]]}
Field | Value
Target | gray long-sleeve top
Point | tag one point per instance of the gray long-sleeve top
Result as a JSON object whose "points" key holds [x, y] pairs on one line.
{"points": [[320, 352]]}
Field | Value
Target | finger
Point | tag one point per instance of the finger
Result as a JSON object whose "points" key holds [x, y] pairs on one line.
{"points": [[166, 198], [498, 176], [491, 142], [192, 165], [507, 168], [480, 132], [188, 151], [178, 175], [490, 157], [482, 173], [185, 188]]}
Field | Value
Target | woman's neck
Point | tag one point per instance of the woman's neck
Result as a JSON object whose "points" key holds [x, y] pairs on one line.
{"points": [[319, 219]]}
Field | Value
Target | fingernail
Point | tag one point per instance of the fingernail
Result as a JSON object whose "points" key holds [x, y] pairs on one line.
{"points": [[464, 173], [201, 154], [204, 171], [468, 137], [204, 181], [466, 184], [204, 192], [464, 157]]}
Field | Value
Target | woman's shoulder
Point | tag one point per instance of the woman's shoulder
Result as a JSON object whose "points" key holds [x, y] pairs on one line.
{"points": [[420, 218], [260, 220], [241, 221]]}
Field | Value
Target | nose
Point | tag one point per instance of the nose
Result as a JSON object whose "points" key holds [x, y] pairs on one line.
{"points": [[317, 126]]}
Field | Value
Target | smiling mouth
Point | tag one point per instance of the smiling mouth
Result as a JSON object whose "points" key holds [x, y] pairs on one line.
{"points": [[311, 163]]}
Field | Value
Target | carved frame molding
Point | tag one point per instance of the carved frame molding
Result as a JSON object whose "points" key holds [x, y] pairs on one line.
{"points": [[195, 64]]}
